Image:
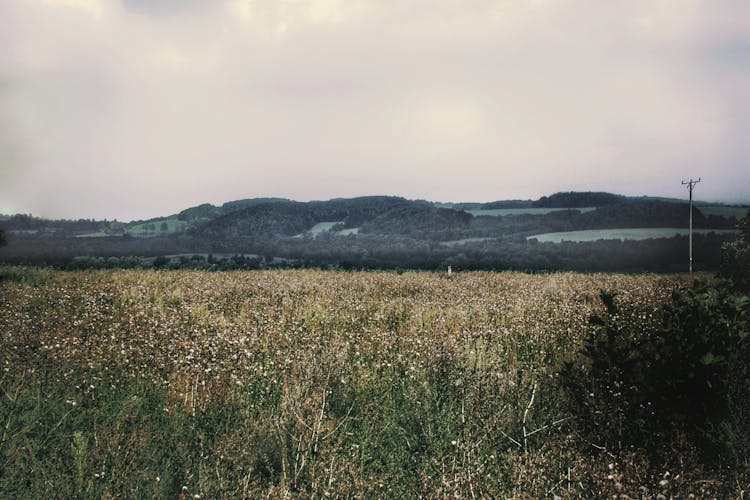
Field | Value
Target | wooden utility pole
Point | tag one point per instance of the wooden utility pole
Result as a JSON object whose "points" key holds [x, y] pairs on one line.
{"points": [[691, 184]]}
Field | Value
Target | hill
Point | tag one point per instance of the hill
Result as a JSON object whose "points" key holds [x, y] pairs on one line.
{"points": [[387, 232]]}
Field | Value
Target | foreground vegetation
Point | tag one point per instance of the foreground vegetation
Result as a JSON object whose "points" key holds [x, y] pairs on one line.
{"points": [[311, 383]]}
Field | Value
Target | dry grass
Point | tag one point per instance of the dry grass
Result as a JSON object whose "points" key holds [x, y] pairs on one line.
{"points": [[302, 383]]}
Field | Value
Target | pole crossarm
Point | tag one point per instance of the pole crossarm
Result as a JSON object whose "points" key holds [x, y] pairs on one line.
{"points": [[691, 183]]}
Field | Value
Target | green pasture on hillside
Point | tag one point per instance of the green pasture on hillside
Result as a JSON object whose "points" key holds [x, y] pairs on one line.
{"points": [[174, 225], [643, 233]]}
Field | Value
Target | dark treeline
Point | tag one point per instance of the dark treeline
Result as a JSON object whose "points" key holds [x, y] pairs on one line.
{"points": [[579, 200], [367, 252], [571, 199], [28, 223], [662, 255]]}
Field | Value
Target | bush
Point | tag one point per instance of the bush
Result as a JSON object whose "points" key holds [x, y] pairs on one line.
{"points": [[605, 387], [735, 258], [688, 375], [32, 276]]}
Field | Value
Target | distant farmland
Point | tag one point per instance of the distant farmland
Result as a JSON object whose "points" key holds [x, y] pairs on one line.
{"points": [[643, 233], [154, 227]]}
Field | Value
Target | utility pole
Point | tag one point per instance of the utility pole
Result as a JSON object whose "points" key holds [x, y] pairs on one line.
{"points": [[691, 184]]}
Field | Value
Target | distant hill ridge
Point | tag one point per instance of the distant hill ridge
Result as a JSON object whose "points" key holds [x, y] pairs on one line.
{"points": [[269, 218], [386, 232], [264, 218], [570, 199]]}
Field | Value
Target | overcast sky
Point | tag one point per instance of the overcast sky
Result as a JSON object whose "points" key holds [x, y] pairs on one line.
{"points": [[136, 108]]}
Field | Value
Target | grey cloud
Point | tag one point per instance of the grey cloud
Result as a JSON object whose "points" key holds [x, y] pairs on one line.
{"points": [[166, 7], [187, 102], [12, 145], [732, 56]]}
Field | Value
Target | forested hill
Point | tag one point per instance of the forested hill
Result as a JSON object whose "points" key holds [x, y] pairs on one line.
{"points": [[579, 200], [422, 220], [285, 218], [388, 231]]}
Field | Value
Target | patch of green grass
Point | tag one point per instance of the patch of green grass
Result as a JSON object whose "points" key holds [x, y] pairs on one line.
{"points": [[621, 234], [98, 234], [318, 229], [322, 227], [174, 225], [33, 276], [72, 440]]}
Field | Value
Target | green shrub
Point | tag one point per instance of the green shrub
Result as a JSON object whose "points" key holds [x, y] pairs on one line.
{"points": [[606, 386], [688, 375], [32, 276], [735, 258]]}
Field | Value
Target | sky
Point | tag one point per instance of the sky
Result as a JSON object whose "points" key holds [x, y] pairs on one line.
{"points": [[131, 109]]}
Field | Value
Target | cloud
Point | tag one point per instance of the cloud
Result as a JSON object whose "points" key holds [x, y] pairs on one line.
{"points": [[11, 145], [93, 8], [165, 7], [140, 108]]}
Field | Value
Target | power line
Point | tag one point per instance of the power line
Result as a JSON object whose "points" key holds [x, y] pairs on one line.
{"points": [[691, 184]]}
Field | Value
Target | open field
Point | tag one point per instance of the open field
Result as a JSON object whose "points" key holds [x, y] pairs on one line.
{"points": [[174, 225], [98, 234], [306, 383], [622, 234], [325, 227], [318, 229], [347, 232]]}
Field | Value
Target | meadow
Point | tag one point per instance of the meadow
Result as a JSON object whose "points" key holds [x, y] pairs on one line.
{"points": [[309, 383], [174, 225], [643, 233], [318, 229]]}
